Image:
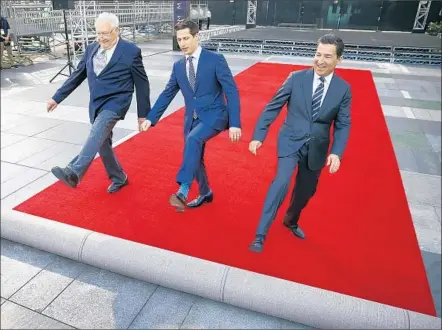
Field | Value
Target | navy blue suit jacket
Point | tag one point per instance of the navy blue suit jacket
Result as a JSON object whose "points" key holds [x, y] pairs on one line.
{"points": [[213, 80], [5, 26], [113, 88], [298, 126]]}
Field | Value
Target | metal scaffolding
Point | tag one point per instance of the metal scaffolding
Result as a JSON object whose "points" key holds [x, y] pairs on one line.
{"points": [[421, 15], [14, 8], [153, 16], [81, 22], [251, 12], [37, 22]]}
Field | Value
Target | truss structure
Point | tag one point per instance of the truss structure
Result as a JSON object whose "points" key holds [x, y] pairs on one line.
{"points": [[155, 15], [81, 22], [251, 12], [140, 18], [422, 15], [6, 8], [14, 8]]}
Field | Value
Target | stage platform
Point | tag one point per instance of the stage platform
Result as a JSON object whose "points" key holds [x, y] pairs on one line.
{"points": [[369, 38], [392, 47]]}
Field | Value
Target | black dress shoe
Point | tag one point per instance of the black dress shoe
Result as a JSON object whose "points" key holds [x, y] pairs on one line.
{"points": [[200, 200], [66, 175], [295, 230], [257, 244], [114, 187], [178, 201]]}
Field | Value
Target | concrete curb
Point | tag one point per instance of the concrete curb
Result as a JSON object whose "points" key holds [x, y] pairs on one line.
{"points": [[292, 301]]}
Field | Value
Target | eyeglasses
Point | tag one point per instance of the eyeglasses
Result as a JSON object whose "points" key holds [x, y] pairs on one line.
{"points": [[105, 34]]}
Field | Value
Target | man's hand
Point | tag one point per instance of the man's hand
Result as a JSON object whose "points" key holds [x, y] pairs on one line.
{"points": [[144, 126], [140, 122], [234, 134], [334, 162], [254, 146], [51, 105]]}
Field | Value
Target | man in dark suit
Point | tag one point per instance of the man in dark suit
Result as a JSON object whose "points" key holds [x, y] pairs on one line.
{"points": [[5, 42], [204, 78], [316, 98], [113, 67]]}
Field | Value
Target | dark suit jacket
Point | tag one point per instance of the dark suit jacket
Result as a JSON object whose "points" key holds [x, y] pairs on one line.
{"points": [[297, 92], [4, 24], [113, 88], [213, 80]]}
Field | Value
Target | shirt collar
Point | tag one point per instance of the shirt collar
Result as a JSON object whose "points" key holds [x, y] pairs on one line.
{"points": [[327, 78], [196, 54]]}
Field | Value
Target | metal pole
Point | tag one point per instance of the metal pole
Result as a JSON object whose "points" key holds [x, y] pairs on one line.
{"points": [[301, 12], [69, 63], [340, 13], [380, 14], [67, 41]]}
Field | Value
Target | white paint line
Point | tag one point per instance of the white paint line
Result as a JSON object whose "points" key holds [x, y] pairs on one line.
{"points": [[406, 94], [409, 113], [127, 137], [403, 69]]}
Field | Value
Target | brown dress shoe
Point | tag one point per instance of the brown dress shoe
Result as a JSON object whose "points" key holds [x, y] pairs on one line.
{"points": [[178, 201]]}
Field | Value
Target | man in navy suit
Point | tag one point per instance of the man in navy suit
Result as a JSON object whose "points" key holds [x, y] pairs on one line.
{"points": [[113, 67], [316, 98], [204, 78]]}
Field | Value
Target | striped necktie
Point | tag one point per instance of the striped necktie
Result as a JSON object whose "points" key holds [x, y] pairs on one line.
{"points": [[317, 97], [192, 76], [192, 79]]}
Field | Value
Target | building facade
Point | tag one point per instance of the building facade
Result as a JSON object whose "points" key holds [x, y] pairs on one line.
{"points": [[383, 15]]}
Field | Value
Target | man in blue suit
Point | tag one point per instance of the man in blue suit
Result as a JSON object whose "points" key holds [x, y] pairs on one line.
{"points": [[316, 98], [204, 78], [113, 67]]}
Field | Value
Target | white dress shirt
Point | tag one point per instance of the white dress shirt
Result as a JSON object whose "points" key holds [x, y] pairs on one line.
{"points": [[317, 81], [196, 56]]}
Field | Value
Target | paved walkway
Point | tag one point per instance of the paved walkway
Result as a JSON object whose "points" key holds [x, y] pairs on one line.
{"points": [[42, 290]]}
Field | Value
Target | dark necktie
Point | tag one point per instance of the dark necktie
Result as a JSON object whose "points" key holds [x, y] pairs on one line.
{"points": [[191, 72], [317, 97], [192, 79]]}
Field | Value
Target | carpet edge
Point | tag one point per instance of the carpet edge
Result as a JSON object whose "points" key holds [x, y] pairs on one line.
{"points": [[260, 293]]}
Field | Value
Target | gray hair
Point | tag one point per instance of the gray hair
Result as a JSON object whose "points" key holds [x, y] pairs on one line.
{"points": [[108, 17]]}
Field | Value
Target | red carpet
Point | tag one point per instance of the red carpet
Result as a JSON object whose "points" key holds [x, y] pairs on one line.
{"points": [[360, 235]]}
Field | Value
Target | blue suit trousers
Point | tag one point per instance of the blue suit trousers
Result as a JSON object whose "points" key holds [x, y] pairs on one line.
{"points": [[193, 166]]}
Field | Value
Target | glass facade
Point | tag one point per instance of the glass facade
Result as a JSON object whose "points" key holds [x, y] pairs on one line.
{"points": [[384, 15]]}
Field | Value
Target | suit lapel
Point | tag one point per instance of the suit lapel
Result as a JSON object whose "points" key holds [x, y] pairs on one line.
{"points": [[198, 69], [183, 71], [91, 59], [115, 56], [308, 90]]}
